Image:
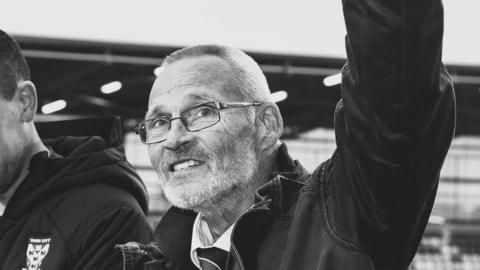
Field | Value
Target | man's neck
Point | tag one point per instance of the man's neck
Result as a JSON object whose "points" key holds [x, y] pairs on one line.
{"points": [[7, 195], [222, 215], [33, 149]]}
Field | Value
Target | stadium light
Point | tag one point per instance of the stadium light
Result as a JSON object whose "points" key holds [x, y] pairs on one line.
{"points": [[332, 80], [111, 87], [54, 106]]}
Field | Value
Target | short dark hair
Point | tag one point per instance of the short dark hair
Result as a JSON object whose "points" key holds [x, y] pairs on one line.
{"points": [[13, 66]]}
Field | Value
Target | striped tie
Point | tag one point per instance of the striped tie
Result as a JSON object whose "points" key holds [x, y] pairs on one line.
{"points": [[212, 258]]}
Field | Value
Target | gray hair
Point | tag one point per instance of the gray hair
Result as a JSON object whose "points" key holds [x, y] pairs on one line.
{"points": [[13, 66], [247, 75]]}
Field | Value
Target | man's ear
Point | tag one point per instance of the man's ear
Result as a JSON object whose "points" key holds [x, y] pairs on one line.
{"points": [[270, 125], [27, 95]]}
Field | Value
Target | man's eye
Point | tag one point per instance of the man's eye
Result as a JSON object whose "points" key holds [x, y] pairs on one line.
{"points": [[205, 111], [158, 123]]}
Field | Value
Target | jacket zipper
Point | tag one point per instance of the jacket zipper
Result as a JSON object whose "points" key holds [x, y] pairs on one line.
{"points": [[262, 206]]}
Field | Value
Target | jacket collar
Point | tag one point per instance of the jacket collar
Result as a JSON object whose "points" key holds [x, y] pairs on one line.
{"points": [[174, 236], [282, 190], [275, 197]]}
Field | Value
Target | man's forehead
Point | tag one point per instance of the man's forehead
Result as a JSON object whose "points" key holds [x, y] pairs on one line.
{"points": [[165, 104], [204, 70], [184, 96], [189, 89], [200, 76]]}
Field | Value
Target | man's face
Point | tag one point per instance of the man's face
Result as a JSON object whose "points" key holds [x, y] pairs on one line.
{"points": [[11, 149], [200, 168]]}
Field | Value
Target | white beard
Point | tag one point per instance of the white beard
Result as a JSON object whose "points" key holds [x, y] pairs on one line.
{"points": [[238, 173]]}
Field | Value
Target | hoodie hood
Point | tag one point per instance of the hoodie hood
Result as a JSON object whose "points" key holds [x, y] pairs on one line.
{"points": [[75, 162]]}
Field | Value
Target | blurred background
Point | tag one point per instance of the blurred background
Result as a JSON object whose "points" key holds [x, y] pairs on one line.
{"points": [[99, 58]]}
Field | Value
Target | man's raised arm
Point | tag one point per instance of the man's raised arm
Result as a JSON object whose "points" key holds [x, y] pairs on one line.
{"points": [[393, 126]]}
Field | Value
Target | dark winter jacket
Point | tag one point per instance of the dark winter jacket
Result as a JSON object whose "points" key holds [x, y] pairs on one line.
{"points": [[366, 207], [72, 208]]}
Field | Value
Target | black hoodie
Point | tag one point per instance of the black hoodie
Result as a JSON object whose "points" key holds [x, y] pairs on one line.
{"points": [[73, 207]]}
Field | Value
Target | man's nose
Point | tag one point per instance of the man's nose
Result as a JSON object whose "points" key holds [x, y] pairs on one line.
{"points": [[178, 136]]}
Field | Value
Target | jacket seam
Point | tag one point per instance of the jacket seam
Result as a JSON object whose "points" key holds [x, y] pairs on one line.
{"points": [[328, 226], [62, 237]]}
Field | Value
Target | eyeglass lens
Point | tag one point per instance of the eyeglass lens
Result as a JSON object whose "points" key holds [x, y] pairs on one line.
{"points": [[194, 119]]}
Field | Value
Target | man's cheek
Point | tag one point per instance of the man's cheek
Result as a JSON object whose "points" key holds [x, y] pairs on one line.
{"points": [[151, 156], [154, 157], [223, 146]]}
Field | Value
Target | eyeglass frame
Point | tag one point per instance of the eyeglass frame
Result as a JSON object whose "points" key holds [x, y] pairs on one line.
{"points": [[219, 106]]}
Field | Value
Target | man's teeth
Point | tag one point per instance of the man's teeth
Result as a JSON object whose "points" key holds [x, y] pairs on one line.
{"points": [[184, 165]]}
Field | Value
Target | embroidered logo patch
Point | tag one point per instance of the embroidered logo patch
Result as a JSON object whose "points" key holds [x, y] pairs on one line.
{"points": [[36, 251]]}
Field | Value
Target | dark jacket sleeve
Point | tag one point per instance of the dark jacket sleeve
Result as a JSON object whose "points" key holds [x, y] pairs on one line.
{"points": [[98, 241], [92, 219], [393, 127]]}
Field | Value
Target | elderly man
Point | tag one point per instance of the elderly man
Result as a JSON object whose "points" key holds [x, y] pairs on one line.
{"points": [[64, 202], [240, 201]]}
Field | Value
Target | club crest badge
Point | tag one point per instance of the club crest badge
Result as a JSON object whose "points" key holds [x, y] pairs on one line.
{"points": [[36, 251]]}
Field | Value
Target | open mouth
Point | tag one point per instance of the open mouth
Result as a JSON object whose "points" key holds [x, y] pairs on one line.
{"points": [[184, 164]]}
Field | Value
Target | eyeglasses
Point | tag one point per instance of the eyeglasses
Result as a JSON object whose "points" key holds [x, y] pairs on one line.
{"points": [[196, 118]]}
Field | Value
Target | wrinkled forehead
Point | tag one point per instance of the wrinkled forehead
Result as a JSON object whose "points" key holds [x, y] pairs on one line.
{"points": [[200, 70], [206, 76]]}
